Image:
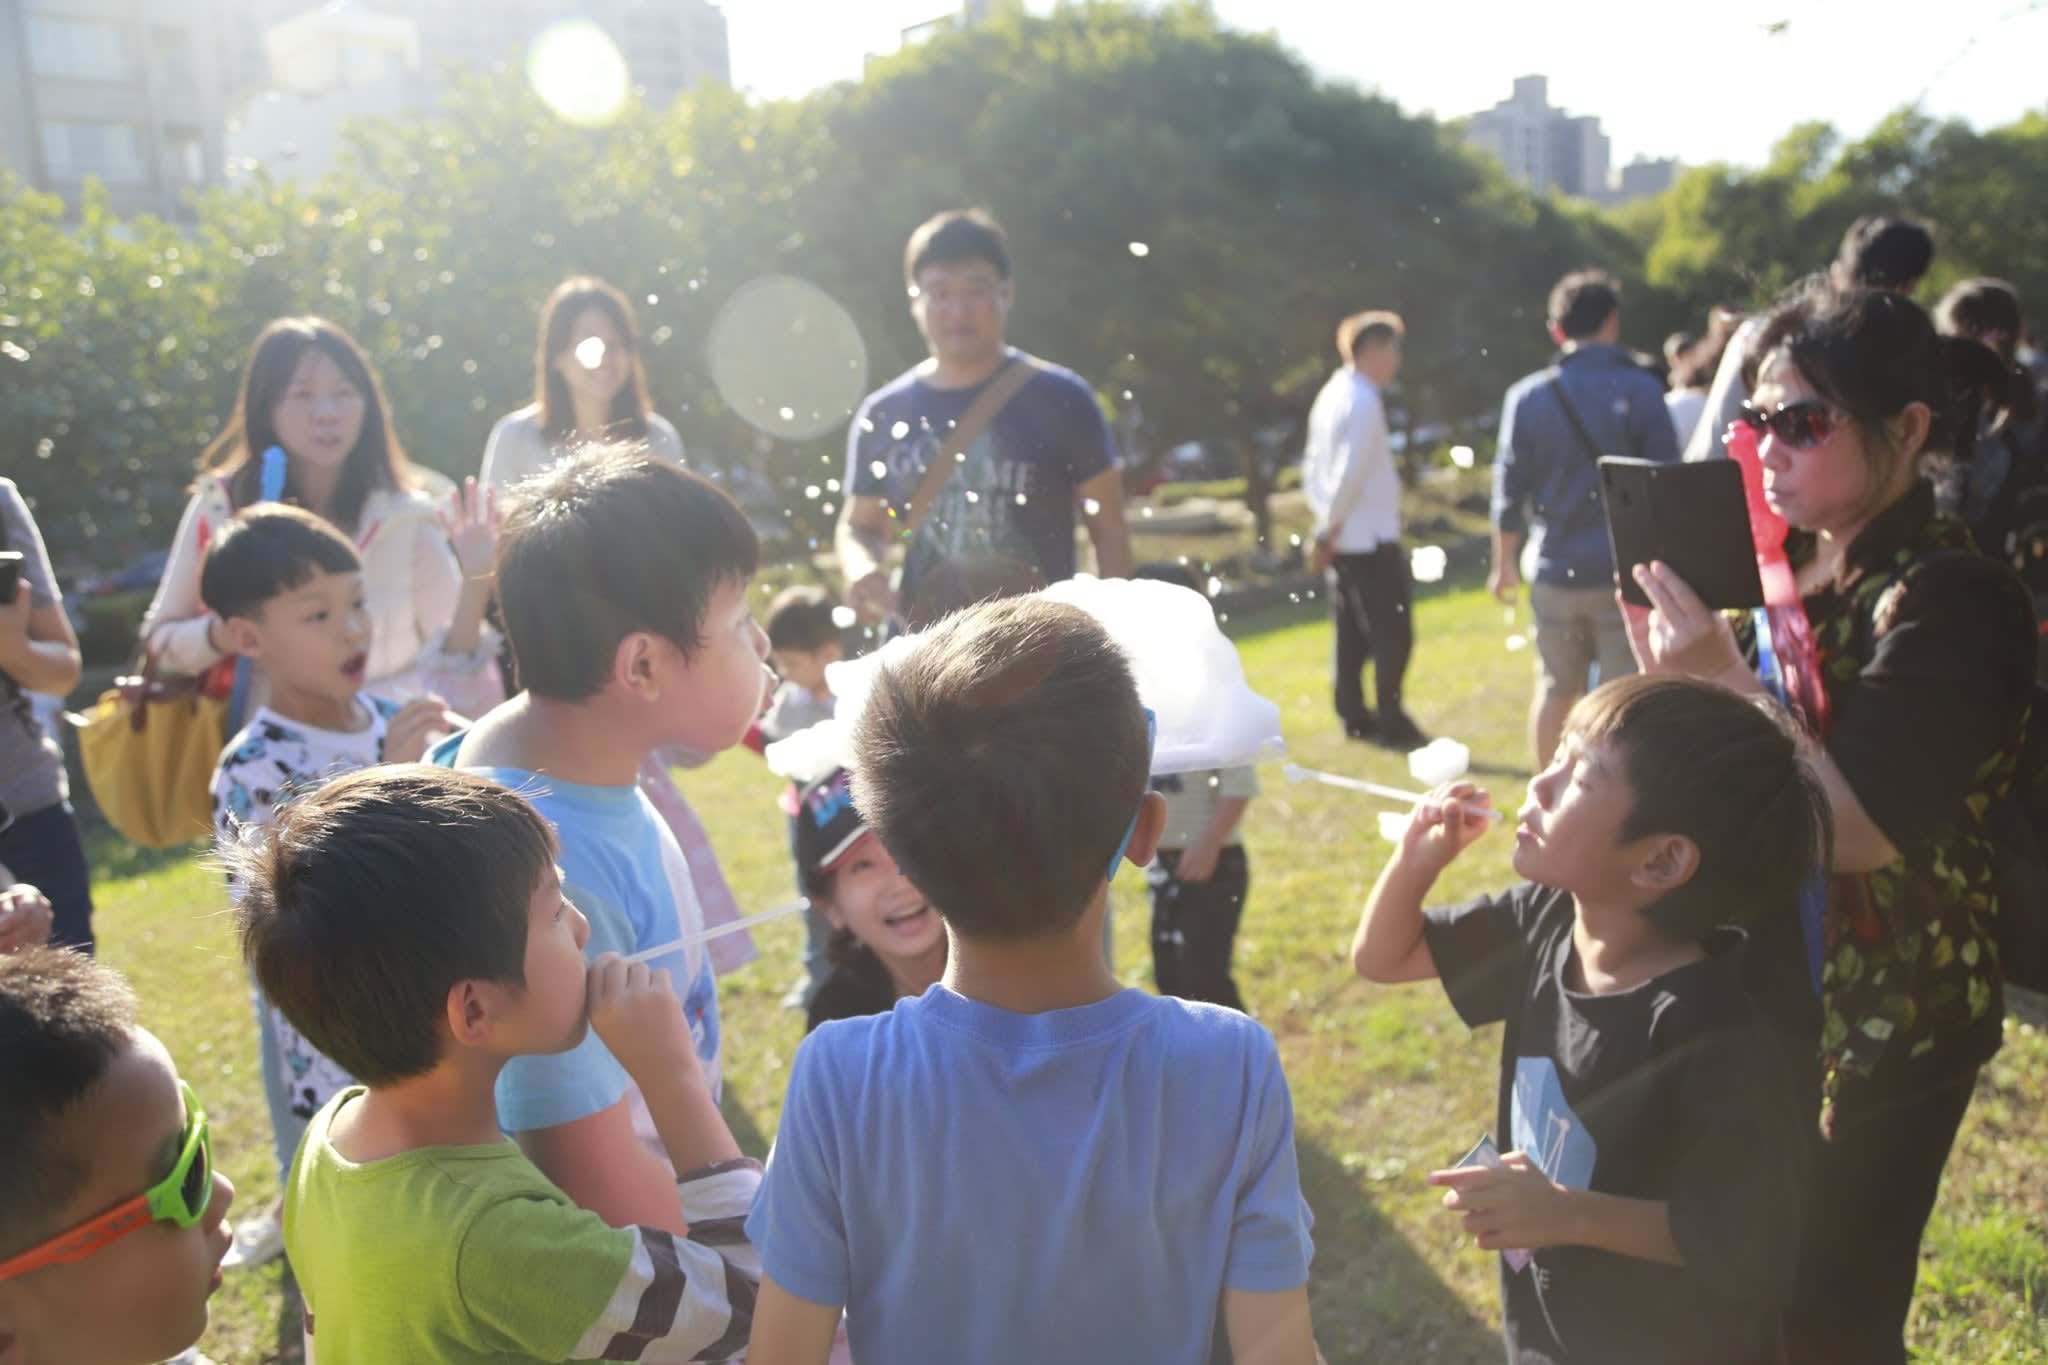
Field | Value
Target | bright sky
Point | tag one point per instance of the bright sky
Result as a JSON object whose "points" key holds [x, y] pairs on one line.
{"points": [[1702, 82]]}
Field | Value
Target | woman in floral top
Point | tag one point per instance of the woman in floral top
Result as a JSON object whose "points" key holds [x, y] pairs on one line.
{"points": [[1926, 655]]}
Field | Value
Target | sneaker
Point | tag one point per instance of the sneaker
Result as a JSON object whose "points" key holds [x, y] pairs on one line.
{"points": [[258, 1240], [1399, 731]]}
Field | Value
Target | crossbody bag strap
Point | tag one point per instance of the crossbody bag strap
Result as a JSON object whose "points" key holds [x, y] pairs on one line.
{"points": [[1571, 414], [980, 413]]}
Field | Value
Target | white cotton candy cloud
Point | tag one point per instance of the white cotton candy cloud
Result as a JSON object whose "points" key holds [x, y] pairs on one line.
{"points": [[1187, 671]]}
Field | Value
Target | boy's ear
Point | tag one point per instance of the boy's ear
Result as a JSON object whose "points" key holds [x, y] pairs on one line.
{"points": [[634, 664], [244, 638], [469, 1013], [1669, 863], [1151, 827]]}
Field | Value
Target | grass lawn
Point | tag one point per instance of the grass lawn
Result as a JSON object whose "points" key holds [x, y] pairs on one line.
{"points": [[1387, 1084]]}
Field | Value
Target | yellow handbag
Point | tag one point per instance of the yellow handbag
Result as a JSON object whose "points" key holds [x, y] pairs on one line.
{"points": [[149, 747]]}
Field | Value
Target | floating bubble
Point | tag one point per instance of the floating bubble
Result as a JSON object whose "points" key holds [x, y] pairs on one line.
{"points": [[1140, 249], [1090, 506], [1427, 563], [899, 431], [1462, 457], [878, 469], [787, 357], [1393, 824], [1441, 760], [1516, 642], [1214, 586], [578, 72], [811, 491], [589, 352]]}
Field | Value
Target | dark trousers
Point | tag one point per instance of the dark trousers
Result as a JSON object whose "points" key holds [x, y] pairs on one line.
{"points": [[43, 849], [1194, 926], [1374, 619], [1868, 1197]]}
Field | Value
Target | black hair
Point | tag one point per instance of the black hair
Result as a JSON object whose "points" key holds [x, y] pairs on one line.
{"points": [[599, 547], [800, 618], [1001, 762], [1724, 772], [1885, 253], [1582, 301], [266, 550], [64, 1018], [1985, 310], [1871, 352], [956, 237], [571, 299], [1374, 328], [966, 580], [372, 897], [376, 461]]}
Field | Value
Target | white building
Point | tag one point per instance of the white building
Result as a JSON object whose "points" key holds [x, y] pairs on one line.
{"points": [[1542, 146], [326, 66]]}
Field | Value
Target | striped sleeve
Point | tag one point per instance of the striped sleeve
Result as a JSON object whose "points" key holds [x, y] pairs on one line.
{"points": [[690, 1298]]}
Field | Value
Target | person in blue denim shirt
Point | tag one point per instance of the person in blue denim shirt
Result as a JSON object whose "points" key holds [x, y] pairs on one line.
{"points": [[1593, 400]]}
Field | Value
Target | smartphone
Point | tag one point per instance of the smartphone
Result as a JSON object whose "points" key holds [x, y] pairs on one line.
{"points": [[1484, 1153], [1690, 516], [10, 574]]}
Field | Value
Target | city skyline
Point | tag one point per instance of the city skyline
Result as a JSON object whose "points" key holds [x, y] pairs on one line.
{"points": [[1724, 88]]}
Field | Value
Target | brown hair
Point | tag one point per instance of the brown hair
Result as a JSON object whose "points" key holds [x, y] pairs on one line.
{"points": [[800, 618], [558, 317], [1370, 328], [371, 897], [1001, 762], [1723, 771], [377, 461], [1699, 361], [961, 581]]}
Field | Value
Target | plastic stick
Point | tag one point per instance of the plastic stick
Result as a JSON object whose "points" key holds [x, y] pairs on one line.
{"points": [[1296, 773], [719, 931]]}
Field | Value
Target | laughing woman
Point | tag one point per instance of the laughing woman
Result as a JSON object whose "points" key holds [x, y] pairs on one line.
{"points": [[1926, 656]]}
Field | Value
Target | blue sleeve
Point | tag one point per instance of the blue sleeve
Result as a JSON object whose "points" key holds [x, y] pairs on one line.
{"points": [[797, 1222], [548, 1091], [1087, 444], [1269, 1233], [1510, 480], [862, 441]]}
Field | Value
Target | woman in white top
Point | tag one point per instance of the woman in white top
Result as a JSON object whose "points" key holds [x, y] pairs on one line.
{"points": [[309, 391], [1692, 373], [589, 387]]}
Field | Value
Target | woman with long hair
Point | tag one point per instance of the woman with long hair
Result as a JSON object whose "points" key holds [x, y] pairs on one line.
{"points": [[309, 393], [589, 387], [590, 392], [1926, 656]]}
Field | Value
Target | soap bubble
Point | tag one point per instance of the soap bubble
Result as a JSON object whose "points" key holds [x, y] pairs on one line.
{"points": [[1427, 563], [844, 617], [589, 352], [1393, 824], [1441, 760], [1140, 250], [1516, 642], [1462, 457]]}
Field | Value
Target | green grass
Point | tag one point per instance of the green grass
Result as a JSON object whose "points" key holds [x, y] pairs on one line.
{"points": [[1387, 1084]]}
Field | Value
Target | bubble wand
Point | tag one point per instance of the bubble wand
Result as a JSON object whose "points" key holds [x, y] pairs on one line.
{"points": [[1294, 772], [719, 931]]}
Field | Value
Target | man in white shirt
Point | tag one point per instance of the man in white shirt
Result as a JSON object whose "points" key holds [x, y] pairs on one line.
{"points": [[1354, 490]]}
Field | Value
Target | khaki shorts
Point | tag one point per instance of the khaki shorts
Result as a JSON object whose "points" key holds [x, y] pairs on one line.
{"points": [[1575, 629]]}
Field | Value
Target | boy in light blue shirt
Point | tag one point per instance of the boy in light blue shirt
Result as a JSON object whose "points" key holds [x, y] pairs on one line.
{"points": [[623, 583], [1028, 1162]]}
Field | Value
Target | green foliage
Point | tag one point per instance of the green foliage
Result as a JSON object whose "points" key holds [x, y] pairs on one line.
{"points": [[1269, 205]]}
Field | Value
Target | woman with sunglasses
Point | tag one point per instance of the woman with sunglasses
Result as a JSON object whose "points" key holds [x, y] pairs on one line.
{"points": [[1926, 657]]}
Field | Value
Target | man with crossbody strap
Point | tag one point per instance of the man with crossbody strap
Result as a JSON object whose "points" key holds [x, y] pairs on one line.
{"points": [[1554, 426], [980, 450]]}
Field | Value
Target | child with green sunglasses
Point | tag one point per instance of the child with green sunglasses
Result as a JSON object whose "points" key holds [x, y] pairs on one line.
{"points": [[106, 1174]]}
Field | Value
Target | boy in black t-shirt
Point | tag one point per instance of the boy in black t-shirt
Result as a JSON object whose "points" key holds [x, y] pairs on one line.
{"points": [[1653, 1171]]}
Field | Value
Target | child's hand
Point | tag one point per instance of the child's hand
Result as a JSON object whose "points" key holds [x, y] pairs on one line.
{"points": [[638, 1015], [413, 728], [1446, 822], [1510, 1207], [470, 521], [25, 917]]}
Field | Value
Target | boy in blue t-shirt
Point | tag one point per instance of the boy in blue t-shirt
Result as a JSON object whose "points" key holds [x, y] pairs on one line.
{"points": [[623, 584], [1121, 1164], [1649, 1207]]}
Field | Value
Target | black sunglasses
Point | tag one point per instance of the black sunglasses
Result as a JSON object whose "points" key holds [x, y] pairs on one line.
{"points": [[1801, 425]]}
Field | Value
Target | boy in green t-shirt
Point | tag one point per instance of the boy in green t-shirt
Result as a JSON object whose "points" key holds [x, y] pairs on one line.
{"points": [[410, 922]]}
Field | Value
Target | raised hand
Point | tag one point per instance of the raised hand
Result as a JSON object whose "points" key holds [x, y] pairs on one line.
{"points": [[1446, 823], [1677, 632], [637, 1014], [410, 732], [470, 521], [25, 917]]}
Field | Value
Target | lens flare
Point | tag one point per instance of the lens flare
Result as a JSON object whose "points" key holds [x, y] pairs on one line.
{"points": [[589, 352], [578, 72]]}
